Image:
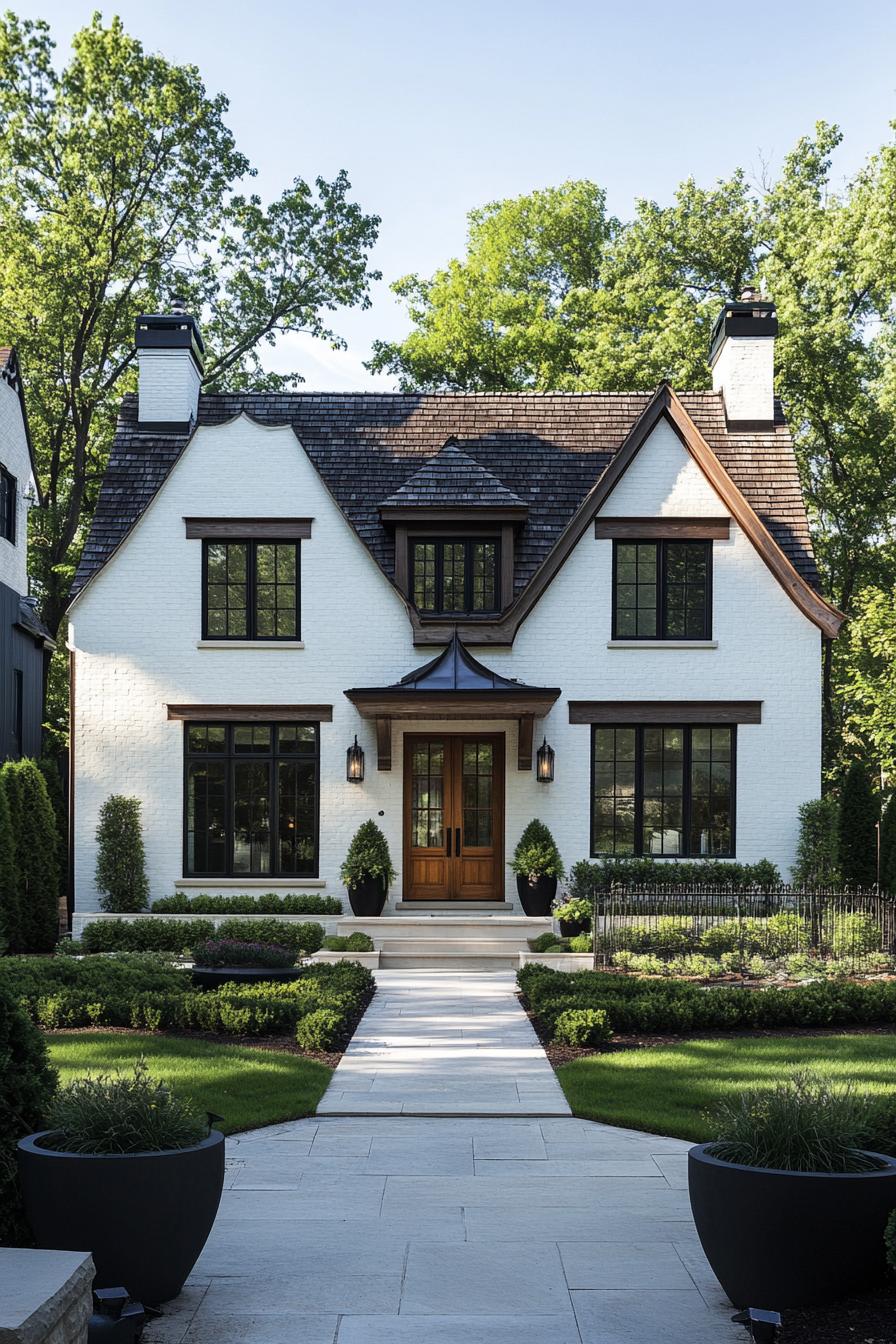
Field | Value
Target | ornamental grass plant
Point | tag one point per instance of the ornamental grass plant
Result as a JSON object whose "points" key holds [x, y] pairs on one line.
{"points": [[120, 1113]]}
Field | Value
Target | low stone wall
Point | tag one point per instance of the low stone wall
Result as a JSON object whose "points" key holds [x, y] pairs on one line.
{"points": [[369, 959], [558, 961], [45, 1296]]}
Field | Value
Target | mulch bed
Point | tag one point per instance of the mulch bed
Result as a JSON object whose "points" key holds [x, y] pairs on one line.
{"points": [[870, 1319]]}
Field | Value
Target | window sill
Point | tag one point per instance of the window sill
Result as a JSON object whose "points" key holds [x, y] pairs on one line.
{"points": [[662, 643], [239, 883], [276, 644]]}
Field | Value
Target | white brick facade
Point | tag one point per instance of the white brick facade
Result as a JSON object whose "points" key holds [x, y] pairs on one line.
{"points": [[15, 458], [136, 631]]}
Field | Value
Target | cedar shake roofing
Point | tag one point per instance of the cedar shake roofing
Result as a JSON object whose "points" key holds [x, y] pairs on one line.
{"points": [[547, 449], [451, 478]]}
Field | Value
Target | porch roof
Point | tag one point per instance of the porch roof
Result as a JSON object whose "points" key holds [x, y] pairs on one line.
{"points": [[454, 685]]}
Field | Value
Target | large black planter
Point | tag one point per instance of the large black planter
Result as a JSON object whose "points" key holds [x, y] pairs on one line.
{"points": [[571, 928], [368, 898], [536, 897], [781, 1239], [212, 977], [145, 1217]]}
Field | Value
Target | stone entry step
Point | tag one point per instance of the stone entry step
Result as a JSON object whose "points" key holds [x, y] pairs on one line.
{"points": [[439, 941], [462, 908]]}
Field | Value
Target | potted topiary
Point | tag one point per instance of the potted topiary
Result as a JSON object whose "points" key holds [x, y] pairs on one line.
{"points": [[131, 1173], [538, 867], [367, 871], [221, 961], [789, 1203], [574, 915]]}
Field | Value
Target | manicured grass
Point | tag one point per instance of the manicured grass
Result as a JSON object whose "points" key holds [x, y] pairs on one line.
{"points": [[247, 1086], [667, 1089]]}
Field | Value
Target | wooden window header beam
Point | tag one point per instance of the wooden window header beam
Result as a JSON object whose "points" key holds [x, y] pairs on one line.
{"points": [[665, 711], [662, 529], [273, 529], [253, 713]]}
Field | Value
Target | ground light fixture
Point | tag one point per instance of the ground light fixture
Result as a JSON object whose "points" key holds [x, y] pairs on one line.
{"points": [[354, 763], [544, 763]]}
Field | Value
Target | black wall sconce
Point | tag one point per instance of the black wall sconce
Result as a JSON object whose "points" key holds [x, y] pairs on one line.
{"points": [[354, 763], [544, 763]]}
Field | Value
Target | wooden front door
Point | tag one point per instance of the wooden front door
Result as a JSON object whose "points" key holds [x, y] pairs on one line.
{"points": [[454, 817]]}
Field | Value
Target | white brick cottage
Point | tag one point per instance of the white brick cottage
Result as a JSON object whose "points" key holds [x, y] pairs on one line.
{"points": [[627, 578]]}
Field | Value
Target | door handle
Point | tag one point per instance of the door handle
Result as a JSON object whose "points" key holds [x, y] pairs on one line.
{"points": [[448, 847], [457, 841]]}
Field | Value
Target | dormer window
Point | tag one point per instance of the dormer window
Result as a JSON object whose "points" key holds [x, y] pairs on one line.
{"points": [[455, 575], [7, 506]]}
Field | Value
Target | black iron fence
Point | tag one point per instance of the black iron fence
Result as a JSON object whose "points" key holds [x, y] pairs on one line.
{"points": [[705, 929]]}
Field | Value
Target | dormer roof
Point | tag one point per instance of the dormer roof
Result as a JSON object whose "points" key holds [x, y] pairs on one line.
{"points": [[452, 480]]}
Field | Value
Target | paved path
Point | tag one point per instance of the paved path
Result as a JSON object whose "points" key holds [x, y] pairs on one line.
{"points": [[374, 1228], [444, 1043]]}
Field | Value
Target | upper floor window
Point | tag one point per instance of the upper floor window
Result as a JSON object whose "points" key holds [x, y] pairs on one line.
{"points": [[663, 791], [662, 589], [7, 505], [455, 575], [250, 590]]}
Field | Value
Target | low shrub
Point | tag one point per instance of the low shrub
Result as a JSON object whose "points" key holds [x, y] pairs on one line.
{"points": [[123, 1114], [855, 934], [27, 1085], [321, 1030], [576, 908], [306, 937], [145, 935], [230, 952], [355, 942], [582, 1026], [589, 878], [542, 942], [581, 942], [803, 1124], [268, 904]]}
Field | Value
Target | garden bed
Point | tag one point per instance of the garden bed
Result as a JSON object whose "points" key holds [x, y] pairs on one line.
{"points": [[870, 1319]]}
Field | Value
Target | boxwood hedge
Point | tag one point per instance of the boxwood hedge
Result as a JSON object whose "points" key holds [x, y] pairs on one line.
{"points": [[179, 935], [268, 904]]}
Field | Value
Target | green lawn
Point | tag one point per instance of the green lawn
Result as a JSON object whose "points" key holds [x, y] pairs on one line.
{"points": [[667, 1089], [246, 1086]]}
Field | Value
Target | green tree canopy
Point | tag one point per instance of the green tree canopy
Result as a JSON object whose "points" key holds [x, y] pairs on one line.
{"points": [[120, 182]]}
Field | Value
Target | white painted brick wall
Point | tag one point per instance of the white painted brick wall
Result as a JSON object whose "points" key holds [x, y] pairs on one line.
{"points": [[15, 458], [168, 384], [136, 627], [744, 372]]}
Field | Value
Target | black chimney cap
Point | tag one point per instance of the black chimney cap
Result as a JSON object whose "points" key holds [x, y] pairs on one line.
{"points": [[757, 317], [170, 331]]}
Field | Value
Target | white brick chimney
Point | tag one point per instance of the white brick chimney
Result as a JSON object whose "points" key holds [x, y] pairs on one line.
{"points": [[170, 354], [742, 359]]}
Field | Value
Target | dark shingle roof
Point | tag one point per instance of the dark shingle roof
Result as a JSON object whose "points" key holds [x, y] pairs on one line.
{"points": [[452, 478], [546, 449]]}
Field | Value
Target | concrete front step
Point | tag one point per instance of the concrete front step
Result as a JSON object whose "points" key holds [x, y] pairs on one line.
{"points": [[459, 908], [450, 947], [512, 930], [433, 960]]}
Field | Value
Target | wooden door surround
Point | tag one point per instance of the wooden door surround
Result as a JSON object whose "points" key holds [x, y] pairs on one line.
{"points": [[453, 816]]}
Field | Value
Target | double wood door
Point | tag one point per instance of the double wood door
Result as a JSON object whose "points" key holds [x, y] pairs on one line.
{"points": [[454, 817]]}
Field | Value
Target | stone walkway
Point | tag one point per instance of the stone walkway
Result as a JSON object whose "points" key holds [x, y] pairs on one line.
{"points": [[468, 1224]]}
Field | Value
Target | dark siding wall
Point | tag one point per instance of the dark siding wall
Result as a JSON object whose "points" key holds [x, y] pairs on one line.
{"points": [[19, 651]]}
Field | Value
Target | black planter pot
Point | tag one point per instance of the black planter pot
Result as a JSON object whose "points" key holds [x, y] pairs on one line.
{"points": [[782, 1239], [145, 1217], [368, 898], [536, 897], [212, 977], [570, 928]]}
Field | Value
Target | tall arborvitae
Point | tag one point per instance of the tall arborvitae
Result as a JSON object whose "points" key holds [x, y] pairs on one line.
{"points": [[35, 848], [9, 920], [857, 844]]}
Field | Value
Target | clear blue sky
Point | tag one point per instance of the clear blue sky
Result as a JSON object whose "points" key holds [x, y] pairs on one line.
{"points": [[434, 108]]}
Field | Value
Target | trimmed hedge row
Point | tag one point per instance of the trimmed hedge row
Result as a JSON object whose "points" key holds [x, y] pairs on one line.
{"points": [[268, 904], [587, 878], [636, 1006], [179, 935], [147, 993]]}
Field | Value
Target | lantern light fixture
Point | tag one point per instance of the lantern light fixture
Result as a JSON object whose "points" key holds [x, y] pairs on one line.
{"points": [[544, 763], [354, 763]]}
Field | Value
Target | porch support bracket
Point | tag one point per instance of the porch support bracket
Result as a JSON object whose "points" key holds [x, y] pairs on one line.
{"points": [[383, 744], [524, 742]]}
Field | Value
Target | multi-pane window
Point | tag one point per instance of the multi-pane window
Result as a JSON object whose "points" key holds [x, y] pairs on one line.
{"points": [[661, 589], [455, 576], [663, 791], [251, 590], [251, 799], [7, 505]]}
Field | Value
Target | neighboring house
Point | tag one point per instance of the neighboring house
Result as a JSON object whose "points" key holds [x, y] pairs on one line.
{"points": [[452, 580], [25, 642]]}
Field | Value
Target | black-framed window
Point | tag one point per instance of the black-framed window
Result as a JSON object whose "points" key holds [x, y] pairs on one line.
{"points": [[455, 575], [663, 791], [662, 589], [8, 500], [250, 590], [251, 799]]}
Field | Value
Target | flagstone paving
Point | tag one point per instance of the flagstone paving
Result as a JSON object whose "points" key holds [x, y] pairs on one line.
{"points": [[430, 1226]]}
